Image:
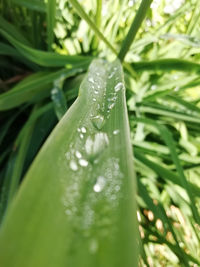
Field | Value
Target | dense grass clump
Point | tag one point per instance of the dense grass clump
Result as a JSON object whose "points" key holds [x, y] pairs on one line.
{"points": [[79, 193]]}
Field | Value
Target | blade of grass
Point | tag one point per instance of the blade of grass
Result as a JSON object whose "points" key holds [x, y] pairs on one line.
{"points": [[168, 64], [51, 15], [36, 85], [10, 29], [32, 5], [46, 59], [22, 145], [97, 21], [84, 16], [140, 16]]}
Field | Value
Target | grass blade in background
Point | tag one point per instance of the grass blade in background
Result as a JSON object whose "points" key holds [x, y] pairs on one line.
{"points": [[35, 85], [98, 22], [51, 14], [168, 64], [77, 203], [32, 5], [140, 16], [46, 59]]}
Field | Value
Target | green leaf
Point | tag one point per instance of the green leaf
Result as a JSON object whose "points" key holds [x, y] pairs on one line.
{"points": [[36, 5], [47, 59], [140, 16], [168, 64], [35, 85], [10, 29], [76, 205], [51, 14]]}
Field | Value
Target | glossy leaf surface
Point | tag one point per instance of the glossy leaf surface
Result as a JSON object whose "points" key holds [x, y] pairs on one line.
{"points": [[76, 205]]}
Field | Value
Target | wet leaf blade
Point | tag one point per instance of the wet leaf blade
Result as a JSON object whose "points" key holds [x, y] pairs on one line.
{"points": [[78, 198]]}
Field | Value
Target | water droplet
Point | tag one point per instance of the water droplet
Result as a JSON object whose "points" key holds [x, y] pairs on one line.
{"points": [[111, 75], [93, 246], [98, 86], [117, 188], [114, 98], [94, 99], [78, 154], [176, 89], [153, 87], [83, 162], [79, 130], [115, 132], [81, 136], [91, 80], [54, 91], [99, 184], [83, 130], [98, 121], [96, 92], [119, 86], [111, 106], [94, 146], [73, 165]]}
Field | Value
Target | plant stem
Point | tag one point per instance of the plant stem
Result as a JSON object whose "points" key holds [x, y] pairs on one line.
{"points": [[140, 15]]}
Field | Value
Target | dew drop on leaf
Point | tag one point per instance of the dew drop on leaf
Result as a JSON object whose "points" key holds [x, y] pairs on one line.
{"points": [[73, 165], [100, 183], [95, 145], [115, 132], [78, 154], [119, 86], [98, 121], [111, 106], [91, 80], [83, 162], [83, 130]]}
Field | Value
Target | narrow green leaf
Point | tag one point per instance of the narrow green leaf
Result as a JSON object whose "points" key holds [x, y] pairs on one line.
{"points": [[97, 21], [36, 5], [35, 85], [168, 64], [76, 204], [140, 16], [22, 146], [161, 110], [51, 14], [47, 59], [10, 29]]}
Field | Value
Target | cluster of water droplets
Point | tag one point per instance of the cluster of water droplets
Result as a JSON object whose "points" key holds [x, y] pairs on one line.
{"points": [[103, 185], [113, 96]]}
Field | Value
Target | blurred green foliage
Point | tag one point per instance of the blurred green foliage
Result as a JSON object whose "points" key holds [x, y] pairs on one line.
{"points": [[163, 100]]}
